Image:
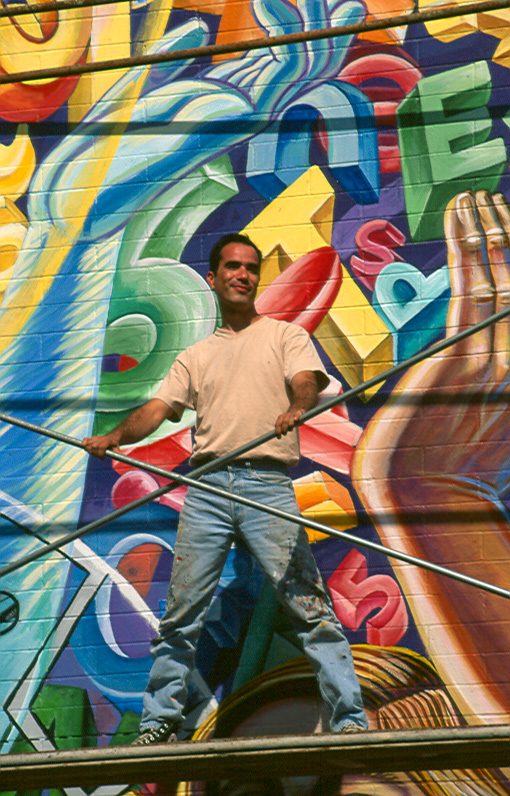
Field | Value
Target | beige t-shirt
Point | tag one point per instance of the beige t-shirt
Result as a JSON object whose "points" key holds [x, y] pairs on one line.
{"points": [[239, 383]]}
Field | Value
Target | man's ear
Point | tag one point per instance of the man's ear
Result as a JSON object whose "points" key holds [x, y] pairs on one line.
{"points": [[210, 279]]}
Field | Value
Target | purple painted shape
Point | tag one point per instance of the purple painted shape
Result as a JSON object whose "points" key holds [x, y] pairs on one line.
{"points": [[390, 204]]}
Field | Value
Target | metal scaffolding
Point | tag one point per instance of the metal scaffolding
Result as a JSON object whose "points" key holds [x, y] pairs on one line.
{"points": [[211, 50], [250, 759], [191, 479], [255, 758]]}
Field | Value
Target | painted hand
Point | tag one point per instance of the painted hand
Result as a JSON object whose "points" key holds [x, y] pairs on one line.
{"points": [[224, 104], [272, 77], [434, 463]]}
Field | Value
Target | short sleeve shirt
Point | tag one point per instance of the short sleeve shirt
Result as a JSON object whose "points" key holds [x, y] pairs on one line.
{"points": [[239, 383]]}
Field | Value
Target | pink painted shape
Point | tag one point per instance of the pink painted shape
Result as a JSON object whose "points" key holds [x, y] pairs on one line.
{"points": [[355, 596], [333, 390], [330, 440], [305, 291], [375, 241], [136, 484], [166, 452]]}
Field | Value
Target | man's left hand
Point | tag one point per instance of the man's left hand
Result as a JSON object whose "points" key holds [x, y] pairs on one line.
{"points": [[287, 421], [304, 397]]}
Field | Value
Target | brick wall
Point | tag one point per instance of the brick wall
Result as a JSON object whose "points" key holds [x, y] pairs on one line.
{"points": [[349, 162]]}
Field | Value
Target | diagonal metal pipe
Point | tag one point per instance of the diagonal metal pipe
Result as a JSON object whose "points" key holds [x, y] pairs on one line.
{"points": [[210, 50], [285, 515], [190, 480]]}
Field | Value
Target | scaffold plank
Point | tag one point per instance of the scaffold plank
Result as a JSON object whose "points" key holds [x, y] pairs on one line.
{"points": [[251, 758]]}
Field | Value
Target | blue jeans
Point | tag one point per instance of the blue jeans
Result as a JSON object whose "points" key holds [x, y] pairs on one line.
{"points": [[208, 525]]}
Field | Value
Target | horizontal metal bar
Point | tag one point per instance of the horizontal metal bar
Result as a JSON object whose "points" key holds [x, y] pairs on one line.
{"points": [[54, 5], [249, 759], [210, 50], [62, 5]]}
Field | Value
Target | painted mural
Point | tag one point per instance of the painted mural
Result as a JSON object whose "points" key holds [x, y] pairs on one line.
{"points": [[351, 162]]}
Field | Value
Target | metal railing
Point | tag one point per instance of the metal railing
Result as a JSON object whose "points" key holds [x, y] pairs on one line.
{"points": [[211, 50], [190, 480]]}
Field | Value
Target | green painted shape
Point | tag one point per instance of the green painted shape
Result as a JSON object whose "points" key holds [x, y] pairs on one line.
{"points": [[164, 227], [269, 641], [171, 307], [443, 126], [218, 186], [159, 307], [128, 729], [281, 651], [52, 709], [66, 715], [258, 637]]}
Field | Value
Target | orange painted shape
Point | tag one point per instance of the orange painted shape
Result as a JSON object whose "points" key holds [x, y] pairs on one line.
{"points": [[138, 566], [29, 102], [394, 36], [381, 9], [310, 490], [203, 6], [394, 8], [237, 24], [37, 41], [322, 499]]}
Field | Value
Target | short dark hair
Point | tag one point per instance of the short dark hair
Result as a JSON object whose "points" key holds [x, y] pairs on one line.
{"points": [[232, 237]]}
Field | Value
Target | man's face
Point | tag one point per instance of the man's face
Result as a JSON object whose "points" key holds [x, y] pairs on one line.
{"points": [[236, 280]]}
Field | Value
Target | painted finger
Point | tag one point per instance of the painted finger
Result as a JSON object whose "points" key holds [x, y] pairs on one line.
{"points": [[290, 61], [315, 15], [343, 12], [241, 71], [495, 218], [277, 17], [472, 289]]}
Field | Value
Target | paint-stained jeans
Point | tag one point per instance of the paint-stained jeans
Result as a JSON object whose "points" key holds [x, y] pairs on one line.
{"points": [[208, 526]]}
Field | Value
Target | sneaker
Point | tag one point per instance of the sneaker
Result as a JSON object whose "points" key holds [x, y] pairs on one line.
{"points": [[350, 727], [165, 732]]}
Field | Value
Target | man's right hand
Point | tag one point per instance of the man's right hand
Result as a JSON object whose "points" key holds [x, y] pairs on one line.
{"points": [[98, 446], [138, 425]]}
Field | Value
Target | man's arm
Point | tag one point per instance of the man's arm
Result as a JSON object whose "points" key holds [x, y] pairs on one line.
{"points": [[138, 425], [305, 392]]}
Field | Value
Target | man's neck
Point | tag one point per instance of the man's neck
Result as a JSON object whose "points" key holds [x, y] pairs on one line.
{"points": [[237, 321]]}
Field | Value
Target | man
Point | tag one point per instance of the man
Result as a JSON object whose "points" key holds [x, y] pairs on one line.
{"points": [[250, 369]]}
